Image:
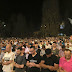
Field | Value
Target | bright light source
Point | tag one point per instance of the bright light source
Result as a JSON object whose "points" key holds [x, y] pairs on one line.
{"points": [[4, 25], [61, 34]]}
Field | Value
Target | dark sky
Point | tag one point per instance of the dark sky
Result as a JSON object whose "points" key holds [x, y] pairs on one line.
{"points": [[65, 8], [27, 7], [32, 10]]}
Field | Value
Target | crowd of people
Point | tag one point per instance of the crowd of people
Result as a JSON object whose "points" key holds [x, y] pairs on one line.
{"points": [[51, 54]]}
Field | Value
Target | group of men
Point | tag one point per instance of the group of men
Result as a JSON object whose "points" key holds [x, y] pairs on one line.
{"points": [[35, 59]]}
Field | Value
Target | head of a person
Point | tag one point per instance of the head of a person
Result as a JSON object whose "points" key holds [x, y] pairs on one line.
{"points": [[14, 48], [48, 52], [46, 43], [23, 50], [63, 47], [43, 47], [21, 44], [36, 46], [60, 43], [40, 42], [2, 44], [8, 47], [33, 41], [19, 50], [36, 43], [67, 41], [30, 41], [26, 43], [67, 54], [16, 40], [32, 50], [54, 44], [67, 45]]}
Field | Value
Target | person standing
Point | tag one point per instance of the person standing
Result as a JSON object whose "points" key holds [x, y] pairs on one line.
{"points": [[49, 62], [54, 49], [42, 50], [27, 50], [8, 59], [33, 61], [61, 52], [20, 61], [65, 63], [1, 56]]}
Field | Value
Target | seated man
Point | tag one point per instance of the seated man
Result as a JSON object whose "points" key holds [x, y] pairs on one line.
{"points": [[65, 63], [50, 62]]}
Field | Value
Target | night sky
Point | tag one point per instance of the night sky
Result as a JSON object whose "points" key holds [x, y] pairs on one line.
{"points": [[30, 11], [65, 8]]}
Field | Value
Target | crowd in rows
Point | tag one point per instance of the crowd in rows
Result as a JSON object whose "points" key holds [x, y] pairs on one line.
{"points": [[36, 55]]}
